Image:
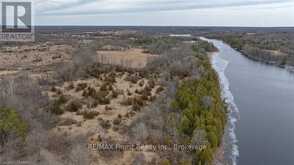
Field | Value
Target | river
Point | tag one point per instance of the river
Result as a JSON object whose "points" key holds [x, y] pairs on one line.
{"points": [[261, 99]]}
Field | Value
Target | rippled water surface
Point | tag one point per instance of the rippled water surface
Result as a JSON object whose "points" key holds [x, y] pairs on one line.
{"points": [[264, 95]]}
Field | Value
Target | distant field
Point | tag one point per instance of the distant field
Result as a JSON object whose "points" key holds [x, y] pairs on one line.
{"points": [[132, 58]]}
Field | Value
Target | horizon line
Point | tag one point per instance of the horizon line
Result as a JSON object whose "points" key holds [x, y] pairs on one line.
{"points": [[220, 26]]}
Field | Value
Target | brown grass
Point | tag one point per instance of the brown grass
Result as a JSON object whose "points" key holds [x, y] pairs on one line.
{"points": [[131, 58]]}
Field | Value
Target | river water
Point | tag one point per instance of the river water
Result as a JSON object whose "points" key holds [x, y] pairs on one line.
{"points": [[261, 99]]}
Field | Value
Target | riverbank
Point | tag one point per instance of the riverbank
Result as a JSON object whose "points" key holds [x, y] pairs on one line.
{"points": [[219, 157], [287, 67], [273, 63], [228, 152], [269, 48]]}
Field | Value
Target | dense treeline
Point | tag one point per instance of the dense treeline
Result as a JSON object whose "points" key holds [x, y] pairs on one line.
{"points": [[272, 48], [202, 108], [155, 45], [190, 111]]}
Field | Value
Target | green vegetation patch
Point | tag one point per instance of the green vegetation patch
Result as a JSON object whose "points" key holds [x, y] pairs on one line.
{"points": [[202, 108], [11, 123]]}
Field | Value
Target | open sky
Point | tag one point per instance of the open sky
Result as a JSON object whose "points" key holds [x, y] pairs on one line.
{"points": [[165, 12]]}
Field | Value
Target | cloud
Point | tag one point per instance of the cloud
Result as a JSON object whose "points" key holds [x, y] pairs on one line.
{"points": [[43, 6], [90, 7]]}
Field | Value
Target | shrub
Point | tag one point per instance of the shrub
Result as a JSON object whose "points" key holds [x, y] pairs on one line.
{"points": [[106, 86], [130, 114], [138, 101], [147, 91], [58, 92], [62, 99], [129, 93], [117, 121], [105, 124], [90, 92], [85, 93], [159, 89], [144, 97], [110, 78], [141, 83], [102, 98], [53, 89], [213, 139], [92, 103], [104, 101], [70, 86], [81, 86], [205, 156], [56, 108], [151, 84], [151, 98], [126, 102], [133, 79], [139, 92], [11, 123], [114, 94], [136, 107], [107, 108], [90, 114], [186, 125], [116, 128], [74, 106]]}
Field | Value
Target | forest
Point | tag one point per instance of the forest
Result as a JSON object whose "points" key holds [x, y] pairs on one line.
{"points": [[52, 108], [272, 48]]}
